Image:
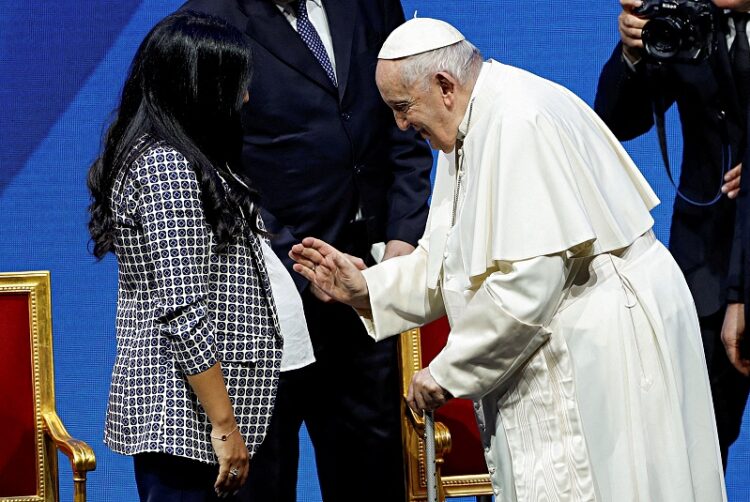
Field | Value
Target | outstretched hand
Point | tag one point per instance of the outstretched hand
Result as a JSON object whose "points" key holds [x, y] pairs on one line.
{"points": [[334, 275]]}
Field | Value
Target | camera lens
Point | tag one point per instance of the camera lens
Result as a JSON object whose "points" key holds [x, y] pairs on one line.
{"points": [[662, 37]]}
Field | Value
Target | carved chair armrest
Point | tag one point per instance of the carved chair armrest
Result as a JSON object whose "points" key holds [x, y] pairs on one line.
{"points": [[81, 455], [442, 434]]}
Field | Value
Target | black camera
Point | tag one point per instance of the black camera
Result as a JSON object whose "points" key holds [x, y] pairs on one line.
{"points": [[678, 30]]}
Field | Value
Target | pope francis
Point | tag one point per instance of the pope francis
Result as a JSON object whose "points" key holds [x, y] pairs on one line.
{"points": [[571, 326]]}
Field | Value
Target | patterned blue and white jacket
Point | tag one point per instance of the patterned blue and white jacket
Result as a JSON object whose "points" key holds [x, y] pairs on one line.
{"points": [[181, 308]]}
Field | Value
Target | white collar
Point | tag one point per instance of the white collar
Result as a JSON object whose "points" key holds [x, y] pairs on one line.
{"points": [[463, 127], [287, 9]]}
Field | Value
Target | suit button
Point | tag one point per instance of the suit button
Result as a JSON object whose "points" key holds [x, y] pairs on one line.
{"points": [[358, 169], [345, 117]]}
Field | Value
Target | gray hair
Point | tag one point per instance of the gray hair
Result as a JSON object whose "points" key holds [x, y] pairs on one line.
{"points": [[462, 60]]}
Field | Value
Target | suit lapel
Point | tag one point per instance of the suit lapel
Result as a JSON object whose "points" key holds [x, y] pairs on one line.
{"points": [[342, 18], [268, 27]]}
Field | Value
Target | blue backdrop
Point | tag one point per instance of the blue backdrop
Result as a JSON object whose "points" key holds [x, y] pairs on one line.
{"points": [[62, 65]]}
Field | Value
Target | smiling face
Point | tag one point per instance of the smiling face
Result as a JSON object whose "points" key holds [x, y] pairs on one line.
{"points": [[431, 111]]}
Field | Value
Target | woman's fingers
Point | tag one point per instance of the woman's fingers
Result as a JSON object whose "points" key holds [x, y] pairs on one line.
{"points": [[234, 462], [244, 473], [221, 479]]}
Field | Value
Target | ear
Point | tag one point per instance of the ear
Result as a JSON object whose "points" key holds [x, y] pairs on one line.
{"points": [[448, 86]]}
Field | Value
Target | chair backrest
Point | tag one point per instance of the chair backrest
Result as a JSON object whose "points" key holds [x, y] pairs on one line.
{"points": [[463, 470], [28, 464]]}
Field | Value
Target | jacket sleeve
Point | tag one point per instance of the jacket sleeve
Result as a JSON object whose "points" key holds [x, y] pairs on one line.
{"points": [[410, 162], [736, 274], [624, 95], [399, 297], [503, 325], [735, 279], [176, 254]]}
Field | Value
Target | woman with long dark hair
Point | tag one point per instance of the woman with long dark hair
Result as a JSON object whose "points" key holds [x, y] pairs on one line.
{"points": [[198, 336]]}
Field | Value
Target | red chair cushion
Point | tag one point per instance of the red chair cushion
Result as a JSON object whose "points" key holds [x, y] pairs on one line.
{"points": [[18, 449], [466, 456]]}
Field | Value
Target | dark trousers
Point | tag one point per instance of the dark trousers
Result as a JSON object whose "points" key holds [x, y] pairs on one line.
{"points": [[161, 477], [349, 400], [728, 387]]}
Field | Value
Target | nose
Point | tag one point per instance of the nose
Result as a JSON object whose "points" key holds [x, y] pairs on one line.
{"points": [[401, 121]]}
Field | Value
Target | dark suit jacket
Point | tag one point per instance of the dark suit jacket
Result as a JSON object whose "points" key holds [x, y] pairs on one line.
{"points": [[316, 153], [701, 237]]}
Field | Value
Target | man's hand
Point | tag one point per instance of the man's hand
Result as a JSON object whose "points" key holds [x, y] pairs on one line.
{"points": [[731, 185], [332, 272], [321, 295], [732, 333], [397, 248], [631, 28], [425, 393]]}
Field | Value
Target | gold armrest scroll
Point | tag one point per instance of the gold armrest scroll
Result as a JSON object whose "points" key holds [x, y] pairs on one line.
{"points": [[81, 455]]}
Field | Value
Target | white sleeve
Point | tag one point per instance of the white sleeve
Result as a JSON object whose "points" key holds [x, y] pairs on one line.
{"points": [[502, 327], [399, 297]]}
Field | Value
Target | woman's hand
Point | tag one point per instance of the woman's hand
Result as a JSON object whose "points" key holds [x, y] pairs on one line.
{"points": [[234, 461], [231, 453], [335, 274]]}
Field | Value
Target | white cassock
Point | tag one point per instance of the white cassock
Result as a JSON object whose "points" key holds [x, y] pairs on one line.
{"points": [[571, 326]]}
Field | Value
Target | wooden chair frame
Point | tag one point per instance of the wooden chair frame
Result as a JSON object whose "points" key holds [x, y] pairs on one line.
{"points": [[412, 428], [50, 434]]}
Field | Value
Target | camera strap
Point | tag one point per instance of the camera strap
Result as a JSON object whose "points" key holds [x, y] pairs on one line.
{"points": [[654, 73]]}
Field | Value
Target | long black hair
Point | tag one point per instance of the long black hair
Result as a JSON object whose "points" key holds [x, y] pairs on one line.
{"points": [[185, 88]]}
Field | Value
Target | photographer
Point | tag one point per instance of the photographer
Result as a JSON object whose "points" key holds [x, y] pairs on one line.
{"points": [[633, 86]]}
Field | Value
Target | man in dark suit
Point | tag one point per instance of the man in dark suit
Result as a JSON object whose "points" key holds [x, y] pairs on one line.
{"points": [[713, 119], [329, 161]]}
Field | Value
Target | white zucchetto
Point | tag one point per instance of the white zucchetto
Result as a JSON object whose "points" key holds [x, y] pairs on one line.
{"points": [[419, 35]]}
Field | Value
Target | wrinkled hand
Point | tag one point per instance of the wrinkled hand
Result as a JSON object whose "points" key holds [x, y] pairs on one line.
{"points": [[320, 294], [395, 248], [425, 393], [231, 454], [337, 275], [631, 29], [731, 185], [732, 333]]}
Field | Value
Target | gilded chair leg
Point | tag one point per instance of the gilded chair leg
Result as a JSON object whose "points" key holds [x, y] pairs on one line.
{"points": [[79, 487]]}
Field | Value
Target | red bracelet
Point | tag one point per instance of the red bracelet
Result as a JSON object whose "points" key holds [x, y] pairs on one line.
{"points": [[224, 437]]}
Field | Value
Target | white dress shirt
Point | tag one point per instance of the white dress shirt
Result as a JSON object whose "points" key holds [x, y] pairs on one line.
{"points": [[319, 20], [298, 351], [732, 32]]}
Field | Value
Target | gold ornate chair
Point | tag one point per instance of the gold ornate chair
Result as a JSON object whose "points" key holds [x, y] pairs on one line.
{"points": [[462, 471], [31, 430]]}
